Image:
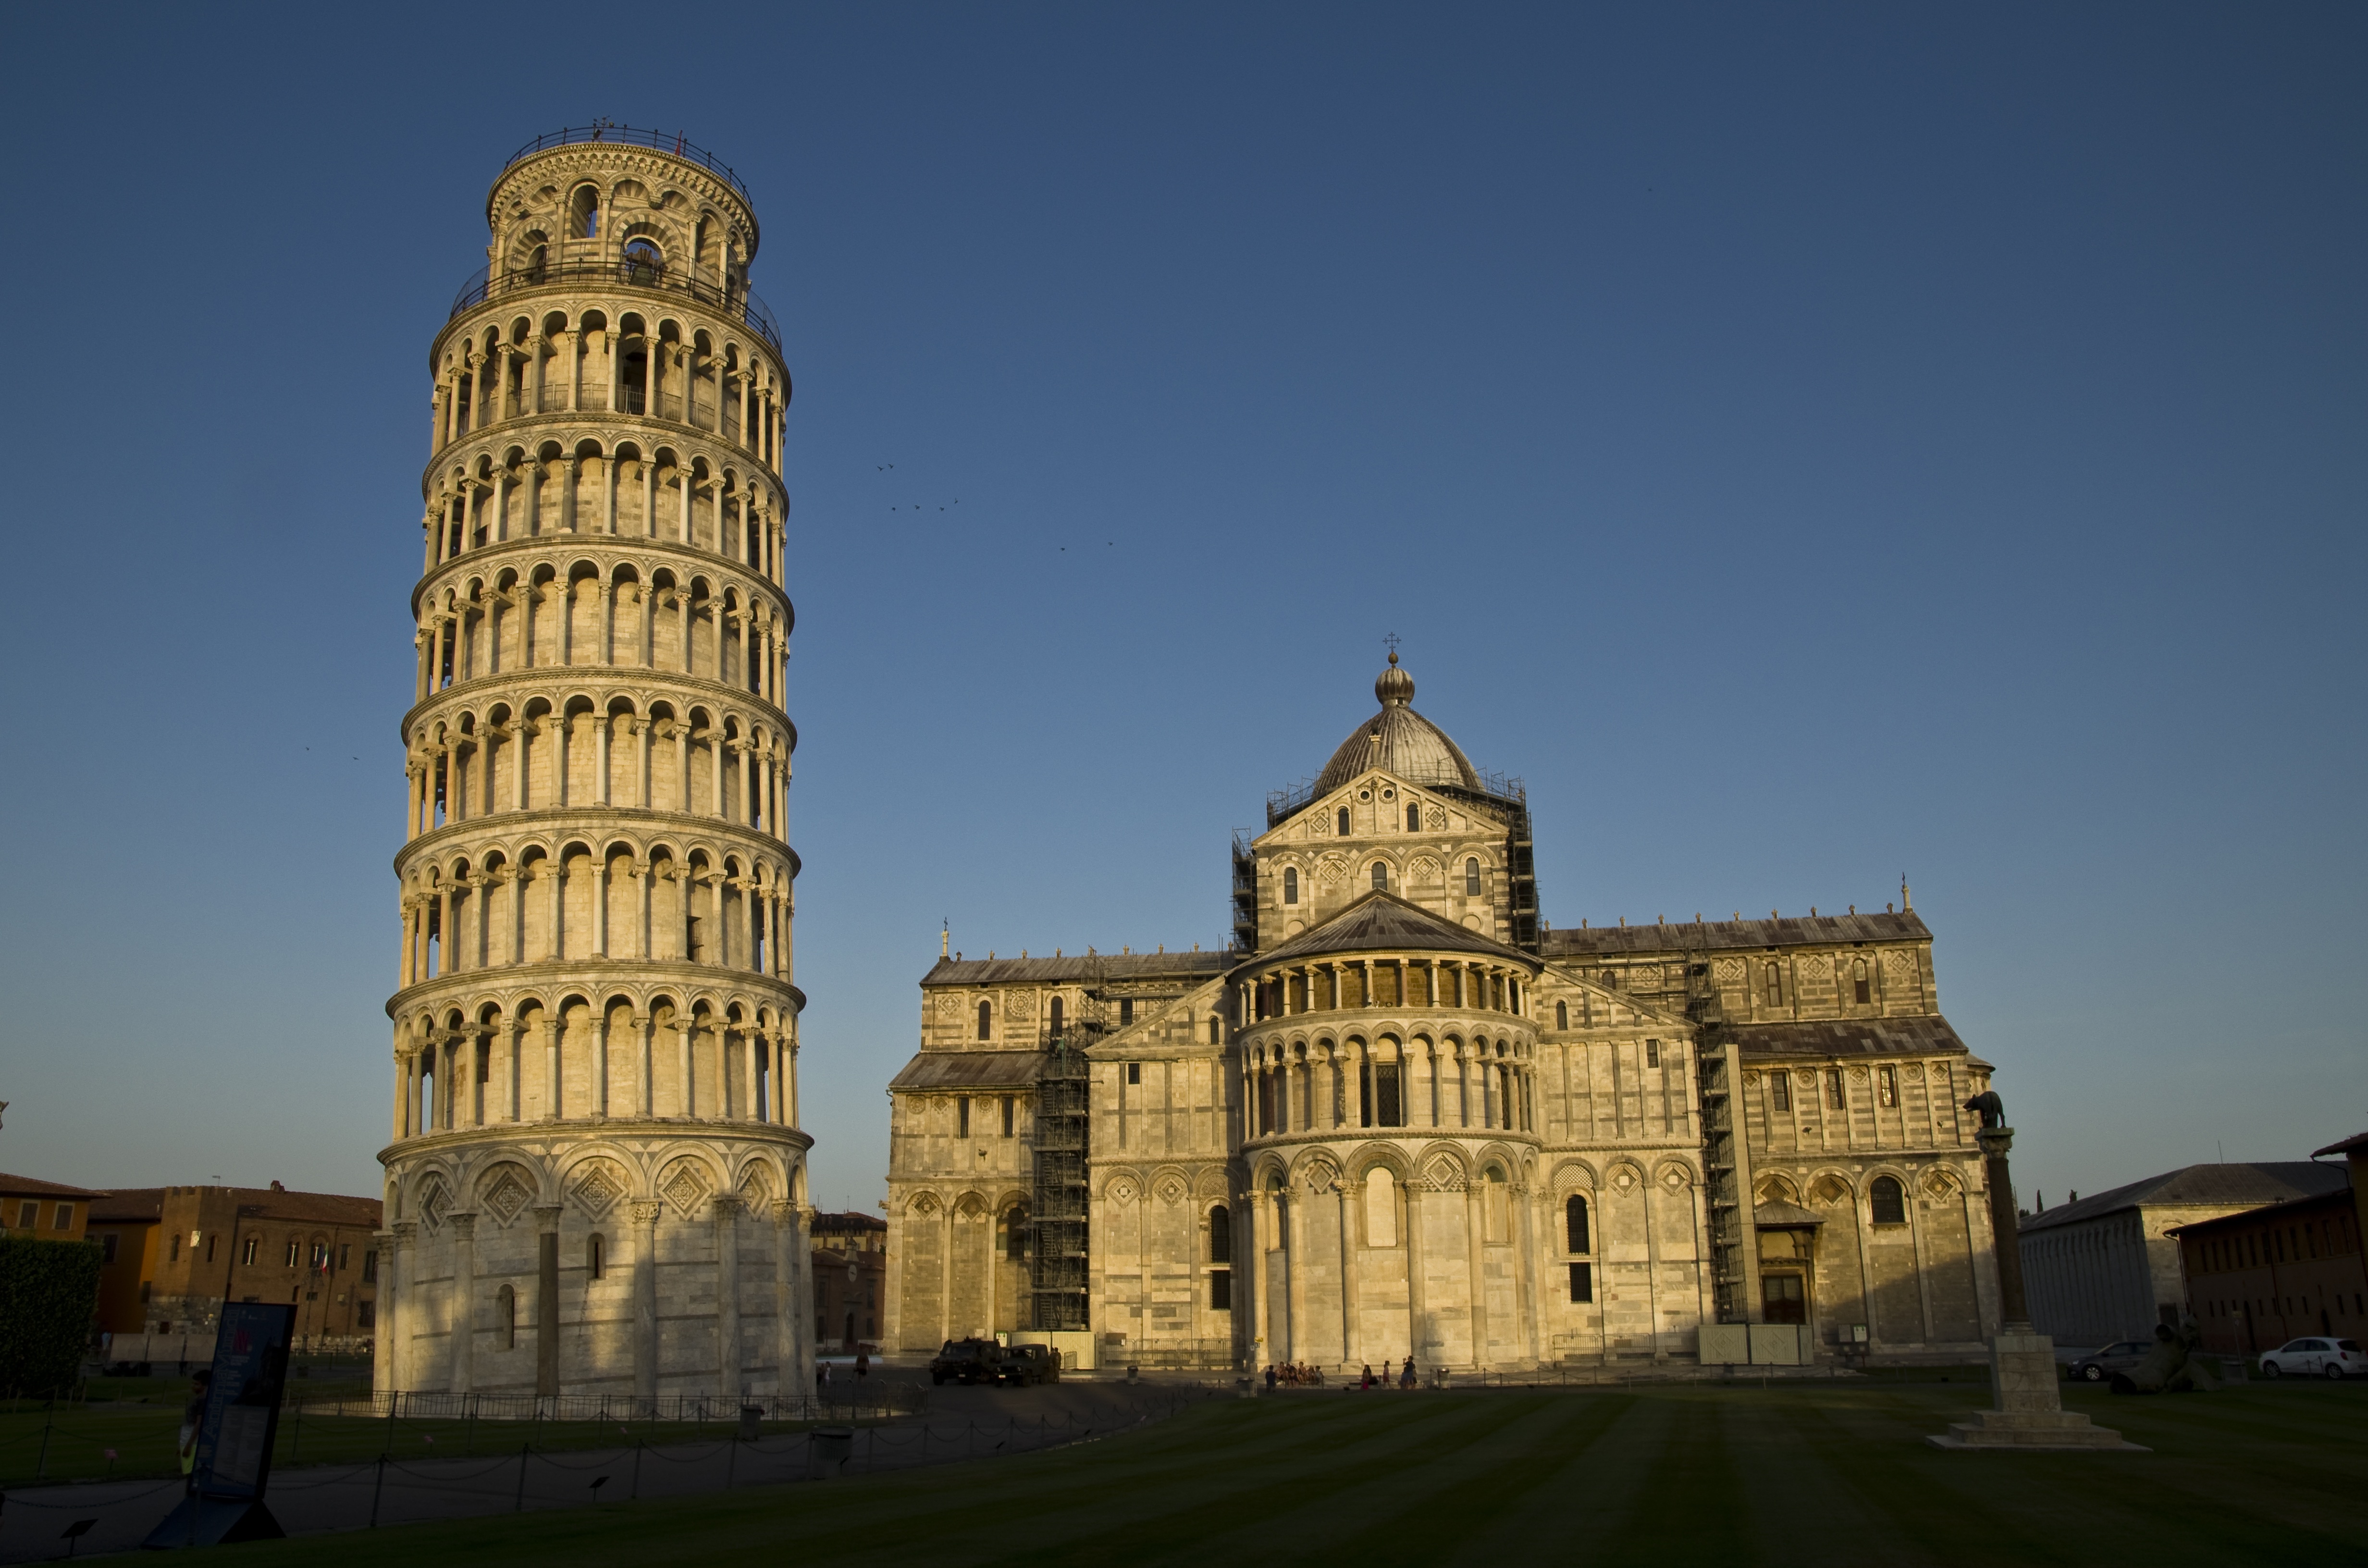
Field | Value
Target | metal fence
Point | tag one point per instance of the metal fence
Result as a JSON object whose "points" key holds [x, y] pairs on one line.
{"points": [[846, 1402], [671, 143]]}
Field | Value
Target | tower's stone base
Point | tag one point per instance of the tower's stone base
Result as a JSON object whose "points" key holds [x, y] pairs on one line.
{"points": [[2030, 1414]]}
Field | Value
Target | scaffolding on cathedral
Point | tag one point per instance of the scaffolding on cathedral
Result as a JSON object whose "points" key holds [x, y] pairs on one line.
{"points": [[1722, 1195], [1059, 1291]]}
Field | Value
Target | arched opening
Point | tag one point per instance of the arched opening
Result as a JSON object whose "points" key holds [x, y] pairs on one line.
{"points": [[644, 263], [1413, 817], [1888, 1201], [595, 1255], [1562, 1015], [1380, 877], [1221, 1234], [1862, 991], [1291, 885], [1056, 1017], [1344, 821], [1574, 1225], [584, 213], [505, 1316], [1472, 878], [986, 1020]]}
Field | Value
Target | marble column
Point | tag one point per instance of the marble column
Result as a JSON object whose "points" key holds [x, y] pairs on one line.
{"points": [[727, 1296], [645, 1300], [461, 1310]]}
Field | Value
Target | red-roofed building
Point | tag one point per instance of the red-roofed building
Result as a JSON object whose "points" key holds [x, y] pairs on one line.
{"points": [[181, 1252], [50, 1211]]}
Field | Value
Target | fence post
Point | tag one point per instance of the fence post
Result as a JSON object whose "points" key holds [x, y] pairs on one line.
{"points": [[637, 1469], [49, 1415], [394, 1403], [296, 1437], [377, 1490], [518, 1505]]}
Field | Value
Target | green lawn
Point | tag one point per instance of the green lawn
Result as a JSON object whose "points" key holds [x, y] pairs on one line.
{"points": [[1823, 1474]]}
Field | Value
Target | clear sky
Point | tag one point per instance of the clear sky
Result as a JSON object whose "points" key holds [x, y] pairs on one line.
{"points": [[1808, 444]]}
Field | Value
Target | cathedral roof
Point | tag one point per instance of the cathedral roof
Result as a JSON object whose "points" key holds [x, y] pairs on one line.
{"points": [[1382, 921], [1713, 935], [1921, 1034], [1401, 740], [970, 1070], [1079, 969]]}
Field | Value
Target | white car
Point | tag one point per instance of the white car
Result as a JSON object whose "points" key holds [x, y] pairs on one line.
{"points": [[2327, 1357]]}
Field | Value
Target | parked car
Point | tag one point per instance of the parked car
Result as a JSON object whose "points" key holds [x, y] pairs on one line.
{"points": [[966, 1361], [1023, 1364], [2118, 1356], [2326, 1357]]}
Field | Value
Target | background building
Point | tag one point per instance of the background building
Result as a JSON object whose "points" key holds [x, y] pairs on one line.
{"points": [[48, 1210], [1400, 1115], [2258, 1279], [596, 1182], [2107, 1267], [851, 1274], [175, 1254]]}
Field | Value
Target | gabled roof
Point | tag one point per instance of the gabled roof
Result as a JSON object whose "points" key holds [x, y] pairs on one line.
{"points": [[1708, 936], [2357, 1140], [2233, 1186], [1384, 921]]}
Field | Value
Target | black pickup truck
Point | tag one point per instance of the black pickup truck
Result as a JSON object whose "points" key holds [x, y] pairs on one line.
{"points": [[967, 1361]]}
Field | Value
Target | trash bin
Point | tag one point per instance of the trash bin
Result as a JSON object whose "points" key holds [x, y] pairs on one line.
{"points": [[751, 1415], [832, 1444]]}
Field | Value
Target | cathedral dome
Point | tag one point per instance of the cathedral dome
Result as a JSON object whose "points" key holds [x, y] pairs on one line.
{"points": [[1400, 740]]}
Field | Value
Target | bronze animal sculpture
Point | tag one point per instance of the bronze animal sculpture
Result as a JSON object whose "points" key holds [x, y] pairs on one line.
{"points": [[1993, 1113]]}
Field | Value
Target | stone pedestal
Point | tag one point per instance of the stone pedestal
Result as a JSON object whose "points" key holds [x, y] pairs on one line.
{"points": [[2030, 1413]]}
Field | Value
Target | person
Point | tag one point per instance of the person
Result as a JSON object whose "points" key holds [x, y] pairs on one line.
{"points": [[1270, 1377], [1405, 1378], [822, 1377], [1367, 1384], [863, 1363], [193, 1416]]}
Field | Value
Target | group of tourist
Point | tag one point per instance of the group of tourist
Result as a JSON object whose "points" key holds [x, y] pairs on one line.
{"points": [[1299, 1374]]}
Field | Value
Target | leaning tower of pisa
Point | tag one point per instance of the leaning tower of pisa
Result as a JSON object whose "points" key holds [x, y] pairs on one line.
{"points": [[597, 1183]]}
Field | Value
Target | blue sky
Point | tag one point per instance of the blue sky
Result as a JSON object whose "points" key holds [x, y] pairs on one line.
{"points": [[1808, 444]]}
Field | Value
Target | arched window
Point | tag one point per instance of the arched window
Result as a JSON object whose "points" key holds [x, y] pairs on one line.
{"points": [[584, 213], [986, 1020], [1015, 1234], [1562, 1015], [1413, 817], [1889, 1202], [1775, 985], [1573, 1224], [1221, 1234], [1344, 821], [643, 262], [1216, 1030], [505, 1316], [1291, 885], [1472, 878], [595, 1255], [1380, 877], [1860, 992], [1056, 1017]]}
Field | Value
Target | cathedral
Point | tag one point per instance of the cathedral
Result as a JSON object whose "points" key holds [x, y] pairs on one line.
{"points": [[1398, 1115]]}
